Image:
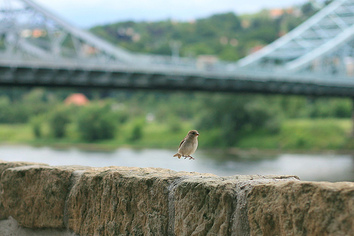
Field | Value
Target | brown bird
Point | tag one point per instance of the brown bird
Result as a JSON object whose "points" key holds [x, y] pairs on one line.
{"points": [[188, 145]]}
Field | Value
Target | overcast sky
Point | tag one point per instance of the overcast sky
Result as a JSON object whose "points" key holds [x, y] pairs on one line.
{"points": [[86, 13]]}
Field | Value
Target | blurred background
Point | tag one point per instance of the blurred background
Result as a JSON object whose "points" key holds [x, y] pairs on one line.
{"points": [[240, 133]]}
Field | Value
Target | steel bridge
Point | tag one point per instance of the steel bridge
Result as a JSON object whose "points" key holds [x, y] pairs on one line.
{"points": [[38, 48]]}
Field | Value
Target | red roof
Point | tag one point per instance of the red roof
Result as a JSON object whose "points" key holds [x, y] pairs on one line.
{"points": [[77, 99]]}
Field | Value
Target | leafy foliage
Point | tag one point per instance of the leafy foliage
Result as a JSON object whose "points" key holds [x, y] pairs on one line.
{"points": [[58, 120], [236, 116], [36, 123], [137, 131], [226, 35], [96, 122], [18, 106]]}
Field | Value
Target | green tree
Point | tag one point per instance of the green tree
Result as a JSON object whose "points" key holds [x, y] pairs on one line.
{"points": [[36, 123], [5, 108], [58, 120], [137, 131], [236, 116], [96, 122]]}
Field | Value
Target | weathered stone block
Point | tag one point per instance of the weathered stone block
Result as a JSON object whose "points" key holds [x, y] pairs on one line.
{"points": [[35, 195], [302, 208], [121, 201], [204, 206], [208, 205], [152, 201], [6, 165]]}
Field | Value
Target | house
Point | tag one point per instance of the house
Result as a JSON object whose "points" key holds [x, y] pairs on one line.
{"points": [[77, 99]]}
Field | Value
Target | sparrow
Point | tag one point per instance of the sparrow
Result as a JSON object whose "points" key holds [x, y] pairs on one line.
{"points": [[188, 145]]}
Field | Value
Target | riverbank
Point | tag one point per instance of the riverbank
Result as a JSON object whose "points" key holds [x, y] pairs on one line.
{"points": [[305, 135]]}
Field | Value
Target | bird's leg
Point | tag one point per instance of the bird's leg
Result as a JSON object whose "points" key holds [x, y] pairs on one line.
{"points": [[191, 158]]}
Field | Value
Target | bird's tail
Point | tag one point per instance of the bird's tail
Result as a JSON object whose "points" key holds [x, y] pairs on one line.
{"points": [[177, 155]]}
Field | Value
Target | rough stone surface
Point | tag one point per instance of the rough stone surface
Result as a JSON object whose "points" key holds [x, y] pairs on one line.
{"points": [[10, 227], [6, 165], [35, 195], [39, 199], [121, 200], [302, 208], [245, 184], [214, 205], [204, 205]]}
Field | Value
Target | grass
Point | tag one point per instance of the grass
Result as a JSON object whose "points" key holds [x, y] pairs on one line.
{"points": [[18, 133], [158, 135], [306, 134], [153, 135], [316, 134]]}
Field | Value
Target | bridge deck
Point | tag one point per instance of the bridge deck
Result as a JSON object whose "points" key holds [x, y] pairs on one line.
{"points": [[123, 77]]}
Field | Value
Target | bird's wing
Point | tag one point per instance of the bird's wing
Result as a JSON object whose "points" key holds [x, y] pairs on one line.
{"points": [[182, 142]]}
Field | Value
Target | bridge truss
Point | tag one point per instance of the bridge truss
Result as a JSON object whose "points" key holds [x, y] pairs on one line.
{"points": [[324, 44], [38, 48], [30, 32]]}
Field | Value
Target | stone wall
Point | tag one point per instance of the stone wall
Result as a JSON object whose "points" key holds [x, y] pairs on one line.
{"points": [[37, 199]]}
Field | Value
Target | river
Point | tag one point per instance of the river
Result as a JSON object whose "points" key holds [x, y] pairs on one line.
{"points": [[319, 167]]}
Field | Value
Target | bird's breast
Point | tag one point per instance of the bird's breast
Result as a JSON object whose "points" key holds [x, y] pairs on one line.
{"points": [[188, 148]]}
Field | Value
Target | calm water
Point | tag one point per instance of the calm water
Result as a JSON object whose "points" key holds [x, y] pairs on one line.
{"points": [[307, 167]]}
